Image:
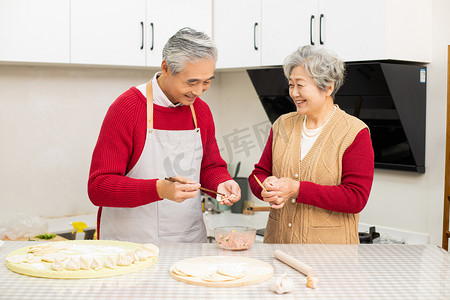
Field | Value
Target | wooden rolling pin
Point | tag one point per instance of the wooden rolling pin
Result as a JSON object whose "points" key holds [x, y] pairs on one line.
{"points": [[258, 208], [294, 263]]}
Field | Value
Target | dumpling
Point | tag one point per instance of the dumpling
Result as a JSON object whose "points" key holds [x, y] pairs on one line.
{"points": [[152, 248], [110, 262], [125, 260], [57, 265], [85, 263], [73, 264], [96, 264]]}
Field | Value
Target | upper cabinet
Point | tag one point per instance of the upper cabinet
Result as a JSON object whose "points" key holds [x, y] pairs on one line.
{"points": [[377, 29], [108, 32], [248, 33], [237, 32], [164, 18], [35, 31], [356, 30], [295, 26], [131, 33]]}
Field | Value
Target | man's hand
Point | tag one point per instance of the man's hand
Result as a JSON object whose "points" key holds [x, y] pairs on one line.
{"points": [[176, 191], [230, 188]]}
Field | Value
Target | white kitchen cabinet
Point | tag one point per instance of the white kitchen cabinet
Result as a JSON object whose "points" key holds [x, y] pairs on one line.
{"points": [[377, 29], [108, 32], [164, 18], [34, 31], [287, 25], [131, 33], [356, 30], [237, 32]]}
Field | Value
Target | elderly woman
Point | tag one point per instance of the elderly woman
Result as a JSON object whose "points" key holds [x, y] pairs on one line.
{"points": [[318, 163]]}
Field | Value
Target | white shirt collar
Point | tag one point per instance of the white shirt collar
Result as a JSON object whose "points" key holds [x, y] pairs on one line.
{"points": [[159, 98]]}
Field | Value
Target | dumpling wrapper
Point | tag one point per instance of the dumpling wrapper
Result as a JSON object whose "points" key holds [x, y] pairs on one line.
{"points": [[50, 257], [216, 277], [17, 259], [194, 270], [257, 271], [231, 270]]}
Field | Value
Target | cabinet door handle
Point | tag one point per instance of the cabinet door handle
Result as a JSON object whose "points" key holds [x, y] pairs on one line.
{"points": [[142, 31], [153, 36], [311, 30], [254, 36], [320, 28]]}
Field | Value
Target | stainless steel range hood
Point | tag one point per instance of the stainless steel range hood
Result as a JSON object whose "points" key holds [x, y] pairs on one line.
{"points": [[389, 97]]}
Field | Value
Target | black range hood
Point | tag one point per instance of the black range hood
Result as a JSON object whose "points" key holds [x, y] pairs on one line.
{"points": [[389, 97]]}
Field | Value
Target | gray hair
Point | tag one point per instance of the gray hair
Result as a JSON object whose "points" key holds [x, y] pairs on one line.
{"points": [[323, 65], [188, 45]]}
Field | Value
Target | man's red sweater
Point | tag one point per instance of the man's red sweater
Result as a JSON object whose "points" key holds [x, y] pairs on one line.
{"points": [[348, 197], [121, 141]]}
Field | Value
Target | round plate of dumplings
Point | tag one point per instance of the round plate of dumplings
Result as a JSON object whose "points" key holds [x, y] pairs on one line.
{"points": [[82, 259], [221, 271]]}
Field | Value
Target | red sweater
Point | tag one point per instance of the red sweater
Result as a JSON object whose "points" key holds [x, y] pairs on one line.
{"points": [[121, 141], [348, 197]]}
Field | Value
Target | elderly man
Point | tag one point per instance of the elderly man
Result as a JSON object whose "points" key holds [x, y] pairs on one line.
{"points": [[154, 131]]}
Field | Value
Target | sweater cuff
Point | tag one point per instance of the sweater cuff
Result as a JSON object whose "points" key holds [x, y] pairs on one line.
{"points": [[148, 192], [307, 192]]}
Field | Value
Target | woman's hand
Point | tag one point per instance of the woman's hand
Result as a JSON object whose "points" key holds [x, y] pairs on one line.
{"points": [[269, 194], [229, 188], [176, 191], [287, 189], [281, 190]]}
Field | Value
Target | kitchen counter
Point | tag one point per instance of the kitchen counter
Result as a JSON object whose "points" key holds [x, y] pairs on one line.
{"points": [[344, 272]]}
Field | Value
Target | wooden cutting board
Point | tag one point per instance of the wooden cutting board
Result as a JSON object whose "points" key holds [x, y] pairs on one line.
{"points": [[254, 270], [92, 248]]}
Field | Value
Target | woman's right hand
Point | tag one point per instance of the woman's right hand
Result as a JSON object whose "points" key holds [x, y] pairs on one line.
{"points": [[176, 191]]}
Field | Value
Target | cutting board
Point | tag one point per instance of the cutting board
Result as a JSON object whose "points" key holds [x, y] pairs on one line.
{"points": [[102, 247], [212, 262]]}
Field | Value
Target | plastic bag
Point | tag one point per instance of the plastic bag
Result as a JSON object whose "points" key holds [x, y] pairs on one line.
{"points": [[23, 225]]}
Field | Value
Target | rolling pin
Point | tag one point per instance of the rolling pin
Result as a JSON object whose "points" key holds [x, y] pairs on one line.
{"points": [[294, 263], [258, 208]]}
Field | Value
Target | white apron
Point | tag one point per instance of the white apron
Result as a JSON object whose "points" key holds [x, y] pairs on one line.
{"points": [[166, 153]]}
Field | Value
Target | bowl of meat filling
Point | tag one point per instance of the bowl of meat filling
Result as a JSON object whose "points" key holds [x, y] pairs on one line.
{"points": [[234, 237]]}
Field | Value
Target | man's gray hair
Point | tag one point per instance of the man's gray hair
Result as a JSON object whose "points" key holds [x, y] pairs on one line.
{"points": [[323, 65], [188, 45]]}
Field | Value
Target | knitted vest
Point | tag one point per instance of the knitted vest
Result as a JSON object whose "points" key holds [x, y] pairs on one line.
{"points": [[301, 223]]}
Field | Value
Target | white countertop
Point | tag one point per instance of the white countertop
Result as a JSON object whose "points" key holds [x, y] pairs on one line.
{"points": [[344, 272]]}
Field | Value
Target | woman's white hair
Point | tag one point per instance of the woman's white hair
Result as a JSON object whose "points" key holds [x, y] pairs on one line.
{"points": [[323, 65], [188, 45]]}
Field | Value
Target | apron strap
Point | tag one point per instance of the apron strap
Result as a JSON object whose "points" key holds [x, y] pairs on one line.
{"points": [[193, 115], [149, 92]]}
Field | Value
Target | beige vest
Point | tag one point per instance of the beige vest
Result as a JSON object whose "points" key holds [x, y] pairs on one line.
{"points": [[301, 223]]}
